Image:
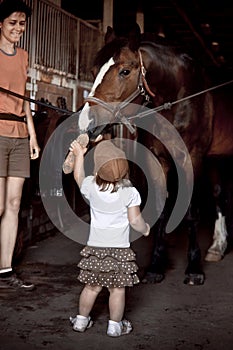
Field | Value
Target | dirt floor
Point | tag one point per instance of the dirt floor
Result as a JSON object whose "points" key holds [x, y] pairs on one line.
{"points": [[165, 316]]}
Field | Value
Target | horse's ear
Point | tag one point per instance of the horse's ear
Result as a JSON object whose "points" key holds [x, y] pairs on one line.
{"points": [[110, 35], [134, 37]]}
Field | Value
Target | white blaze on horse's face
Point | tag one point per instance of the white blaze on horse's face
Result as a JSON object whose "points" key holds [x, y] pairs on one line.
{"points": [[84, 120]]}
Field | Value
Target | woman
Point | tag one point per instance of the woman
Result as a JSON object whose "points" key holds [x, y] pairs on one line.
{"points": [[108, 261], [18, 142]]}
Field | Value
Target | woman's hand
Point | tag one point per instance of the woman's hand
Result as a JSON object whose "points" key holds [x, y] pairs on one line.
{"points": [[34, 148]]}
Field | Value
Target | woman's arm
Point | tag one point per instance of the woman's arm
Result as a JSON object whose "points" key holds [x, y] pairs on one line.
{"points": [[34, 148], [137, 222]]}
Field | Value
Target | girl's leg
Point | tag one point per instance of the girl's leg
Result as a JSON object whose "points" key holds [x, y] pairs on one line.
{"points": [[9, 219], [116, 303], [87, 299]]}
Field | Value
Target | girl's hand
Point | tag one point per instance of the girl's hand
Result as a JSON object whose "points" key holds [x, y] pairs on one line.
{"points": [[77, 149]]}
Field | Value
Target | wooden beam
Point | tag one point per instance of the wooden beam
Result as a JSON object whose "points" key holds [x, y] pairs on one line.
{"points": [[195, 33]]}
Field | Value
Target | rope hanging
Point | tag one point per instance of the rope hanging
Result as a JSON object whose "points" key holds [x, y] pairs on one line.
{"points": [[165, 106]]}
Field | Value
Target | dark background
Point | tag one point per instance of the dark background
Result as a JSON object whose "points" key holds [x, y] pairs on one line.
{"points": [[203, 28]]}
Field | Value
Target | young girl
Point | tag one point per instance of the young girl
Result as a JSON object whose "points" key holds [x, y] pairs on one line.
{"points": [[108, 261]]}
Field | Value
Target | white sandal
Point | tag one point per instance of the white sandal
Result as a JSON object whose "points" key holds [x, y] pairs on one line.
{"points": [[116, 329], [81, 323]]}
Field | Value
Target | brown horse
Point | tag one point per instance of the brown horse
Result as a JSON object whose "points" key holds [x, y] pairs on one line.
{"points": [[131, 73]]}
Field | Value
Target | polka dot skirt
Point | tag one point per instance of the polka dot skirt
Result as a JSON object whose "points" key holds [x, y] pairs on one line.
{"points": [[108, 267]]}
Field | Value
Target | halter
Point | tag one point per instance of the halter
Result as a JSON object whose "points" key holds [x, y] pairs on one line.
{"points": [[143, 75], [142, 89], [146, 93]]}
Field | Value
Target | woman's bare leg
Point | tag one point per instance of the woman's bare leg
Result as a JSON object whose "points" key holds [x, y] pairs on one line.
{"points": [[9, 219], [116, 304], [2, 195]]}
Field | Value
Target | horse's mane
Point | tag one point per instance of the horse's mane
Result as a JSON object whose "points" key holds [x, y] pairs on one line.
{"points": [[111, 49], [169, 58], [166, 46], [166, 49], [162, 46]]}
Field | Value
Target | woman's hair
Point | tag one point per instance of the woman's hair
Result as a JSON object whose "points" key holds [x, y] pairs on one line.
{"points": [[7, 7], [113, 186]]}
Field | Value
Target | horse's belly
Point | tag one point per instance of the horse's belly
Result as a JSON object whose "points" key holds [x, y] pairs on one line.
{"points": [[222, 144], [222, 140]]}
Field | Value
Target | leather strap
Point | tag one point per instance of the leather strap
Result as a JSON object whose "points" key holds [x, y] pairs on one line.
{"points": [[14, 117]]}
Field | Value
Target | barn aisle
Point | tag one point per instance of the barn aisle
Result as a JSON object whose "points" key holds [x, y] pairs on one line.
{"points": [[166, 316]]}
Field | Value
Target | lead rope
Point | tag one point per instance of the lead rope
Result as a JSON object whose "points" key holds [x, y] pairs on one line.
{"points": [[34, 101], [168, 105]]}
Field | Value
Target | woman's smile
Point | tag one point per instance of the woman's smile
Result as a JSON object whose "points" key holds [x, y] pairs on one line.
{"points": [[13, 27]]}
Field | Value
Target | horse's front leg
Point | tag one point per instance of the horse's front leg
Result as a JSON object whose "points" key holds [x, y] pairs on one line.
{"points": [[217, 249], [160, 212], [157, 269], [219, 245], [194, 274]]}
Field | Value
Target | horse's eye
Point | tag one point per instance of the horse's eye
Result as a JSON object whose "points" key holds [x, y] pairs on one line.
{"points": [[124, 72]]}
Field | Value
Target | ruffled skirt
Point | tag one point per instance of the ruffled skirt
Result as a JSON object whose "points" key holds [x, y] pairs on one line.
{"points": [[108, 267]]}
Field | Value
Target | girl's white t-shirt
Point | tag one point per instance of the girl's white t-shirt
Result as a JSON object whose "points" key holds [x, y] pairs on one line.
{"points": [[109, 220]]}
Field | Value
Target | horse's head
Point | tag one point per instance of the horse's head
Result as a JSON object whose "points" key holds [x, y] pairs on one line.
{"points": [[117, 72]]}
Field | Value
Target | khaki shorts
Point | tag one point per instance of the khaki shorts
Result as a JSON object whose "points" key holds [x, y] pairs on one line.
{"points": [[14, 157]]}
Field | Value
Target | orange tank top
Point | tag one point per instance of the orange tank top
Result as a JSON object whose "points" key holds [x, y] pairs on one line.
{"points": [[13, 77]]}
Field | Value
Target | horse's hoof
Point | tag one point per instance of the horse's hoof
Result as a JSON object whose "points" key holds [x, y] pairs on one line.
{"points": [[194, 279], [213, 256], [152, 277]]}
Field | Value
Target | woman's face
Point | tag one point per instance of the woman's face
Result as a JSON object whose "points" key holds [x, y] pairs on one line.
{"points": [[13, 27]]}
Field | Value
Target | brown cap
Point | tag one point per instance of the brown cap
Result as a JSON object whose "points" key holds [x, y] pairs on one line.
{"points": [[110, 162]]}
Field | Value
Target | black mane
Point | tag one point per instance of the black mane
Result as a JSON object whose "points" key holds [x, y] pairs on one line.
{"points": [[111, 49]]}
